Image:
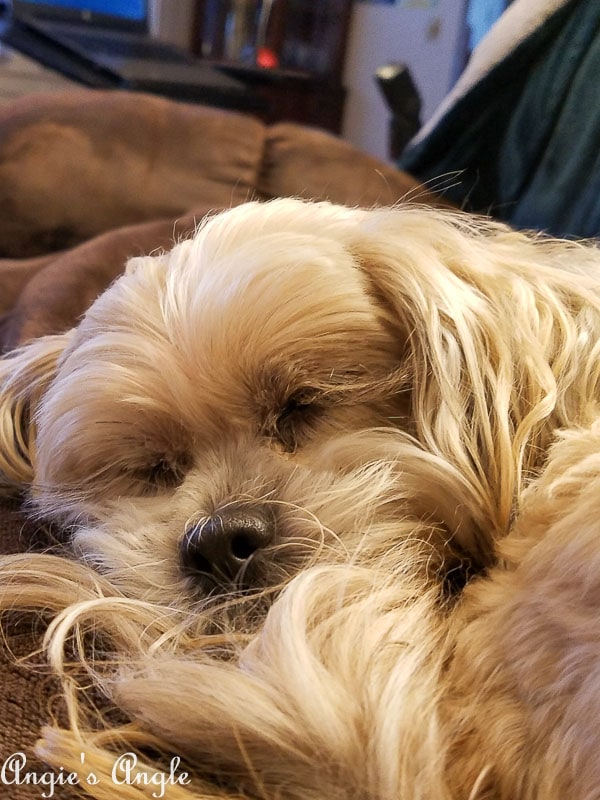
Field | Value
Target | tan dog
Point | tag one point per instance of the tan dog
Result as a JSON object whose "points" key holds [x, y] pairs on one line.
{"points": [[342, 418]]}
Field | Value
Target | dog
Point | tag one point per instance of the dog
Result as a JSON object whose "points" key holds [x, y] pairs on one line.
{"points": [[328, 487]]}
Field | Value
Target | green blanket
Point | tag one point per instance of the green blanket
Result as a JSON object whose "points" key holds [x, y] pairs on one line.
{"points": [[523, 143]]}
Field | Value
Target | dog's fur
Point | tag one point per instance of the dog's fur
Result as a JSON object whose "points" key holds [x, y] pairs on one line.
{"points": [[411, 396]]}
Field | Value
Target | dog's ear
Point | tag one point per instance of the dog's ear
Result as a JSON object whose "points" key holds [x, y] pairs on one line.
{"points": [[24, 377], [398, 253]]}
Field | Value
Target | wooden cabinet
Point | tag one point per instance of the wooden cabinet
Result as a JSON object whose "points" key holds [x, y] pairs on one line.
{"points": [[289, 52]]}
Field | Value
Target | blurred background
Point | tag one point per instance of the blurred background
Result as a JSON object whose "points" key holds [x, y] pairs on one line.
{"points": [[349, 41], [317, 62]]}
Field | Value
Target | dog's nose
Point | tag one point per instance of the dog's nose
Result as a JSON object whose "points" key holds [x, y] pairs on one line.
{"points": [[223, 544]]}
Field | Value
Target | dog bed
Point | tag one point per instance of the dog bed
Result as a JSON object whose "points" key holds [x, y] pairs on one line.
{"points": [[89, 178]]}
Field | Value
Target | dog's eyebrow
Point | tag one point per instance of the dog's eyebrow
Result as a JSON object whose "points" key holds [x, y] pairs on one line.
{"points": [[355, 387]]}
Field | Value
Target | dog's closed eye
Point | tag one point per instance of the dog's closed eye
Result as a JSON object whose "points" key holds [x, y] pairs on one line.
{"points": [[297, 413], [165, 472]]}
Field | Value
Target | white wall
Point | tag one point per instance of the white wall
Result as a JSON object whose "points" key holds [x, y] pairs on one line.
{"points": [[171, 20], [425, 34]]}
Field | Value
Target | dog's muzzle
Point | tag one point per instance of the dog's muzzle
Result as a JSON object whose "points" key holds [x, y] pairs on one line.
{"points": [[223, 546]]}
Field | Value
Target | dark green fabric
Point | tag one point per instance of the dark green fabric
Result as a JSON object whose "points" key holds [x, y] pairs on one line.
{"points": [[524, 143]]}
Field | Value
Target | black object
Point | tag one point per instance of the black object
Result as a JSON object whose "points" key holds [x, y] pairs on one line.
{"points": [[105, 53], [42, 49], [402, 97]]}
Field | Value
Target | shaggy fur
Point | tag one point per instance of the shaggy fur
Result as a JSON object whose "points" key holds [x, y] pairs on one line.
{"points": [[407, 400]]}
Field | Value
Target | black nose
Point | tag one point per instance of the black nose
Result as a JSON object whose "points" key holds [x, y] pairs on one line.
{"points": [[223, 545]]}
